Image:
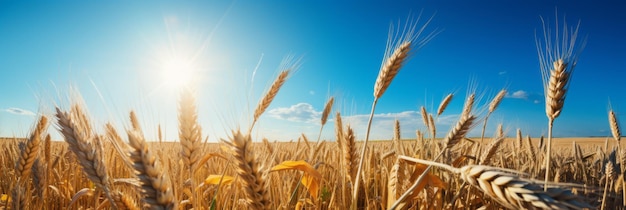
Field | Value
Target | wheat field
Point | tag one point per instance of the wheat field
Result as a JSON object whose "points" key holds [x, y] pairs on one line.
{"points": [[117, 169]]}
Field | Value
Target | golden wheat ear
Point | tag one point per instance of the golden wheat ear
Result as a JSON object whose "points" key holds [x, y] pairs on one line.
{"points": [[558, 55], [398, 50], [76, 130], [30, 151], [189, 130], [510, 190], [287, 66], [156, 187], [444, 104], [252, 176], [614, 124]]}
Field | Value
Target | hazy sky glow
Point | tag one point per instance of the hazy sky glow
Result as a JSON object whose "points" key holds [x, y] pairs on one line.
{"points": [[119, 56]]}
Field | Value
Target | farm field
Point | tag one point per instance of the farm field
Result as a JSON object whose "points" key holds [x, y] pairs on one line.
{"points": [[60, 178], [452, 159]]}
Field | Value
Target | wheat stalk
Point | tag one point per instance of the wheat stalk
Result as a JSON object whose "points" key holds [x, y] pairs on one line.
{"points": [[499, 131], [614, 126], [469, 104], [557, 59], [189, 131], [395, 184], [444, 103], [30, 151], [327, 109], [251, 174], [77, 132], [531, 149], [18, 198], [350, 154], [134, 122], [491, 150], [396, 53], [339, 130], [425, 120], [519, 139], [458, 132], [325, 113], [124, 201], [39, 177], [492, 107], [512, 191], [157, 191], [397, 138], [271, 94], [47, 145], [433, 127]]}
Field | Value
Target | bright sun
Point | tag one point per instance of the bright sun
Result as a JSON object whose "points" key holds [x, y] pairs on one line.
{"points": [[178, 72]]}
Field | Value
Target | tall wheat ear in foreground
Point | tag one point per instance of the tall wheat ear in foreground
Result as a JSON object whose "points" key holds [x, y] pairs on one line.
{"points": [[558, 55], [510, 190]]}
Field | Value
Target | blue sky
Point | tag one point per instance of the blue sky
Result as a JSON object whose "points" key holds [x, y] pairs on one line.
{"points": [[115, 53]]}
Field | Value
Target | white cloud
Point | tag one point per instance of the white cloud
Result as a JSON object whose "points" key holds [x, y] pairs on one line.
{"points": [[502, 73], [536, 101], [311, 92], [520, 94], [19, 111], [301, 112]]}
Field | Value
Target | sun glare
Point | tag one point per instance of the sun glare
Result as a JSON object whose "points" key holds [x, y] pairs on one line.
{"points": [[177, 72]]}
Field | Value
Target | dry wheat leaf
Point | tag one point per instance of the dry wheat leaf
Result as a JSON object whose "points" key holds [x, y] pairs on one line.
{"points": [[430, 179], [312, 184], [298, 165], [215, 179]]}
